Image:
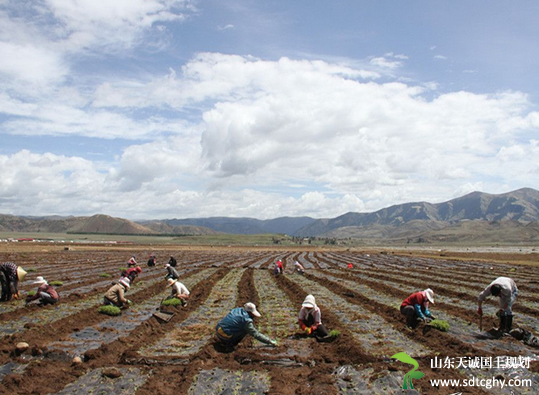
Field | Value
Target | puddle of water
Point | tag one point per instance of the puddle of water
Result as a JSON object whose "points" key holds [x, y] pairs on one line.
{"points": [[219, 381]]}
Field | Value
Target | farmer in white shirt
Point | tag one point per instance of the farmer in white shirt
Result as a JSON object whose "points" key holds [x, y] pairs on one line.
{"points": [[179, 291], [506, 289]]}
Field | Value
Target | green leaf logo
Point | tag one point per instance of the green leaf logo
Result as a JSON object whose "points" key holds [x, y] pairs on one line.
{"points": [[412, 374]]}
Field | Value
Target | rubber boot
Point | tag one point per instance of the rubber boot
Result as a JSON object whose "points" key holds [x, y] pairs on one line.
{"points": [[508, 323], [503, 320]]}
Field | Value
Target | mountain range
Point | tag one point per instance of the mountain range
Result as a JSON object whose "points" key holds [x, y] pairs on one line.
{"points": [[512, 215]]}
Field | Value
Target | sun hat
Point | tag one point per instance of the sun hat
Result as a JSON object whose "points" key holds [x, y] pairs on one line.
{"points": [[21, 273], [167, 265], [39, 280], [251, 308], [309, 302], [125, 282], [171, 282], [429, 293]]}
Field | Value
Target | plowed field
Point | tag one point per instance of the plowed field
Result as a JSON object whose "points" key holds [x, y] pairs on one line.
{"points": [[136, 353]]}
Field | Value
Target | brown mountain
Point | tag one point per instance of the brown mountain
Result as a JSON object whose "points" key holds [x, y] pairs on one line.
{"points": [[98, 223]]}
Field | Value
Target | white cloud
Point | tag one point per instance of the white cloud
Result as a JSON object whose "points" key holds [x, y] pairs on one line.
{"points": [[385, 63], [440, 57], [31, 64], [226, 27], [102, 23], [257, 125]]}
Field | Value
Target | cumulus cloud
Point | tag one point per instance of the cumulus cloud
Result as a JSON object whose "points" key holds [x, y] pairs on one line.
{"points": [[351, 143]]}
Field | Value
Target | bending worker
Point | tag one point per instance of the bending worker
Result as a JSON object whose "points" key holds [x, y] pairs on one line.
{"points": [[115, 295], [506, 289], [45, 293], [179, 291], [239, 323], [416, 307], [10, 275], [171, 272], [310, 318]]}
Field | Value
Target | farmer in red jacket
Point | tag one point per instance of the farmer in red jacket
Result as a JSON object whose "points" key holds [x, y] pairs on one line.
{"points": [[45, 293], [416, 307]]}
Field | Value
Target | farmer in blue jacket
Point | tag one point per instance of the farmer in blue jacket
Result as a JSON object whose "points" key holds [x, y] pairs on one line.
{"points": [[239, 323]]}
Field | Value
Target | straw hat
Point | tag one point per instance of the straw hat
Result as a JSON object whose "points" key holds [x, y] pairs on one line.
{"points": [[171, 282], [21, 273], [125, 282]]}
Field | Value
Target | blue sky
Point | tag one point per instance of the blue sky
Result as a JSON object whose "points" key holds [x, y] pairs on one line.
{"points": [[174, 108]]}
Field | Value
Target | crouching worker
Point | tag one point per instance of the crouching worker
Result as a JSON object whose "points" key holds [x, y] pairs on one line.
{"points": [[45, 293], [10, 275], [179, 291], [299, 268], [310, 319], [115, 295], [416, 308], [239, 323], [506, 289]]}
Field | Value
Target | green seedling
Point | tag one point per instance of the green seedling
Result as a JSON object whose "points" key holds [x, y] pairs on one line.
{"points": [[441, 325], [334, 333], [110, 310], [104, 275], [123, 269], [56, 283], [172, 302], [412, 374], [31, 293], [32, 270]]}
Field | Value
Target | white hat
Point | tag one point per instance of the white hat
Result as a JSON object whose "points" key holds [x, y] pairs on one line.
{"points": [[39, 280], [251, 308], [429, 293], [125, 282], [171, 282], [167, 265], [309, 302]]}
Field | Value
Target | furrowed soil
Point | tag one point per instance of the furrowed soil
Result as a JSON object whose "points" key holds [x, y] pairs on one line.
{"points": [[139, 353]]}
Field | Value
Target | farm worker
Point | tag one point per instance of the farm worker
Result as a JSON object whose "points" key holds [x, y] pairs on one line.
{"points": [[171, 272], [506, 289], [239, 323], [179, 290], [152, 261], [416, 307], [45, 293], [299, 267], [310, 318], [115, 295], [132, 262], [172, 261], [278, 269], [10, 275], [132, 273]]}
